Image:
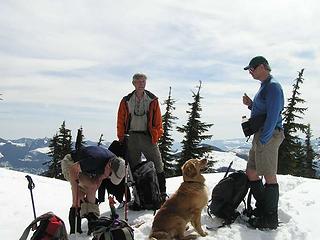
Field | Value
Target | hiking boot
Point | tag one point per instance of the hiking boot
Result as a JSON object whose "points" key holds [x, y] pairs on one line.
{"points": [[73, 214], [269, 217], [269, 221], [91, 217], [134, 206], [162, 182], [257, 212], [258, 192]]}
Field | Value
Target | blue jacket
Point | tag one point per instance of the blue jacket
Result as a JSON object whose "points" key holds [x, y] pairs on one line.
{"points": [[269, 100], [92, 159]]}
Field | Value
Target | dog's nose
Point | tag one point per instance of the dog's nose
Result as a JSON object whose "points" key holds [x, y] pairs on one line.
{"points": [[204, 161]]}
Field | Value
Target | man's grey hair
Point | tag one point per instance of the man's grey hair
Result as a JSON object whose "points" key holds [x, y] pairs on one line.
{"points": [[139, 76]]}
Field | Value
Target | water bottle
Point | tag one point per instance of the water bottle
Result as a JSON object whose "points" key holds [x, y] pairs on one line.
{"points": [[244, 119]]}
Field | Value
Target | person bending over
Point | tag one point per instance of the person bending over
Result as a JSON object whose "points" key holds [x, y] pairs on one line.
{"points": [[85, 169]]}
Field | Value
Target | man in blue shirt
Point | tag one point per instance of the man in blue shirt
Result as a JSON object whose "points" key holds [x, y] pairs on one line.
{"points": [[263, 155]]}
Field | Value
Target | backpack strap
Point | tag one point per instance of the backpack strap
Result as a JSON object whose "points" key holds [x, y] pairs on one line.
{"points": [[228, 169], [208, 208], [107, 235], [249, 207], [25, 234], [106, 231], [127, 233]]}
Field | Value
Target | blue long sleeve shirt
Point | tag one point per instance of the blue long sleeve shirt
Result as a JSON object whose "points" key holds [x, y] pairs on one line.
{"points": [[269, 100]]}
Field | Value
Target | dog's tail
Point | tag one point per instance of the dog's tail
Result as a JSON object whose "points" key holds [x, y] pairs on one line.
{"points": [[159, 236]]}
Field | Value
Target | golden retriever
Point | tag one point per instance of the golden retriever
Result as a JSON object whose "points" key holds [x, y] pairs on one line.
{"points": [[184, 206]]}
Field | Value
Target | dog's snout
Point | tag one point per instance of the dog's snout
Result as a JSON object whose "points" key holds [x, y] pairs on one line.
{"points": [[204, 161]]}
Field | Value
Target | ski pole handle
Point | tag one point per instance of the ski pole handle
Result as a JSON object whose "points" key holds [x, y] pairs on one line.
{"points": [[31, 183], [31, 186]]}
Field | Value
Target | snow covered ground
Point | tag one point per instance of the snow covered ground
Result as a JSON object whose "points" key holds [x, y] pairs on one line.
{"points": [[299, 207]]}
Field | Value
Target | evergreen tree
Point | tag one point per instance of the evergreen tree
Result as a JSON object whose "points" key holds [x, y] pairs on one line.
{"points": [[80, 139], [166, 141], [60, 145], [310, 155], [291, 149], [100, 140], [65, 140], [54, 154], [194, 132]]}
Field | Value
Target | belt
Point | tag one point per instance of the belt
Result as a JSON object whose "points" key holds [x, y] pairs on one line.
{"points": [[139, 132]]}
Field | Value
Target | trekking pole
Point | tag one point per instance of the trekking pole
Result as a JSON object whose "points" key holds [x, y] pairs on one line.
{"points": [[126, 136], [77, 209], [228, 169], [31, 186]]}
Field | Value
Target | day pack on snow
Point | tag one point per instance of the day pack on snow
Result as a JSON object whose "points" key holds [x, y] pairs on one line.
{"points": [[227, 195]]}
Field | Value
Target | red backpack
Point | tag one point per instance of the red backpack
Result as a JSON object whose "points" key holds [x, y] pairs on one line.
{"points": [[51, 227]]}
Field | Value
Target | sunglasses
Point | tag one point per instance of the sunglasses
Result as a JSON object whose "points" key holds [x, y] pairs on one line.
{"points": [[139, 114], [137, 111], [252, 69]]}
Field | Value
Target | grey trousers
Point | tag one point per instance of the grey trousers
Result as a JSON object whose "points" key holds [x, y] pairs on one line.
{"points": [[139, 143]]}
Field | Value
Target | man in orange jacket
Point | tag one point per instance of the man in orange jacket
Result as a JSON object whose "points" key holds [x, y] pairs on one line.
{"points": [[139, 115]]}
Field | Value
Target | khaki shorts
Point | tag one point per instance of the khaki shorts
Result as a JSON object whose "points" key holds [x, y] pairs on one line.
{"points": [[264, 157], [84, 180], [66, 163]]}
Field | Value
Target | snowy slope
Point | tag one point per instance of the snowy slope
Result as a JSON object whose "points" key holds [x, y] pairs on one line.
{"points": [[299, 208]]}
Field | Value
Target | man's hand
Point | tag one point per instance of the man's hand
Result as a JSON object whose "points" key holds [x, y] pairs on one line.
{"points": [[246, 100]]}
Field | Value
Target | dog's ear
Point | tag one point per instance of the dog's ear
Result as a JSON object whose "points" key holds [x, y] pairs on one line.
{"points": [[189, 169]]}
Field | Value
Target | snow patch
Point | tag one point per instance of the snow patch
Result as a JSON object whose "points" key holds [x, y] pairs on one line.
{"points": [[17, 144], [44, 150]]}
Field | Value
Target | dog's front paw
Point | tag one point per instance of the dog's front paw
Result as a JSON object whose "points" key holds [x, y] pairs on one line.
{"points": [[203, 234]]}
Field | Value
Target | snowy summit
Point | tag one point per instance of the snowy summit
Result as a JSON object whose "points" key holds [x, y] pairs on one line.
{"points": [[299, 206]]}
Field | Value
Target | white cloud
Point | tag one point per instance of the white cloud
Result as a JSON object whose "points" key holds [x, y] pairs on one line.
{"points": [[76, 58]]}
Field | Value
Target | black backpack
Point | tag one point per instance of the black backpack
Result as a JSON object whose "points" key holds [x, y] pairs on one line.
{"points": [[51, 227], [227, 195], [106, 228], [146, 191]]}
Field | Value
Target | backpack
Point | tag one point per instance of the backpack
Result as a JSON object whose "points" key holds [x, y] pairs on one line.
{"points": [[146, 191], [118, 191], [51, 227], [106, 228], [227, 195]]}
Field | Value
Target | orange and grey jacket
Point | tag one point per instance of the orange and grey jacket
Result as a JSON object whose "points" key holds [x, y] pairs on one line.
{"points": [[153, 115]]}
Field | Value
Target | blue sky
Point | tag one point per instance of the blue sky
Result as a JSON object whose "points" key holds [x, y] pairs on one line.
{"points": [[73, 60]]}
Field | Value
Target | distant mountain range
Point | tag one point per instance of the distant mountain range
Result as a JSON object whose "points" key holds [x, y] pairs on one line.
{"points": [[24, 154], [29, 155]]}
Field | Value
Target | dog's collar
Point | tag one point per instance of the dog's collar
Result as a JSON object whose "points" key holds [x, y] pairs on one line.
{"points": [[193, 182]]}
